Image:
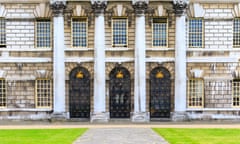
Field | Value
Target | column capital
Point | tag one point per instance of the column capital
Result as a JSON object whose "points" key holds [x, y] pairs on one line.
{"points": [[58, 7], [180, 6], [140, 7], [99, 6]]}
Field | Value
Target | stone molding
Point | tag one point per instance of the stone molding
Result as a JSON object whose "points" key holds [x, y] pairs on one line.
{"points": [[140, 7], [58, 7], [98, 7], [180, 6]]}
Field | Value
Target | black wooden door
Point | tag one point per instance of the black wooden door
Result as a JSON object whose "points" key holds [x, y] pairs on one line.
{"points": [[120, 93], [160, 93], [79, 95]]}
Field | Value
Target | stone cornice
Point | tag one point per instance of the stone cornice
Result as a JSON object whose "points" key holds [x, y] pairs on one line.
{"points": [[58, 7], [99, 7], [140, 7], [180, 6]]}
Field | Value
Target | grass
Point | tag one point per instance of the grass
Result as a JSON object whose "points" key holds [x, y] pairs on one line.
{"points": [[40, 136], [199, 136]]}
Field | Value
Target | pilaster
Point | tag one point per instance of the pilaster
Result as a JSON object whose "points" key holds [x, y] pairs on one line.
{"points": [[140, 114], [180, 60], [58, 7], [99, 114]]}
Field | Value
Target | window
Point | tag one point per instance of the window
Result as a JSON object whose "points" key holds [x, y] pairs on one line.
{"points": [[195, 33], [2, 32], [79, 32], [43, 93], [43, 33], [119, 32], [159, 32], [195, 93], [236, 93], [236, 32], [3, 97]]}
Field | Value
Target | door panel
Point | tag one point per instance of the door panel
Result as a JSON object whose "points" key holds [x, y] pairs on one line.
{"points": [[160, 93], [79, 95]]}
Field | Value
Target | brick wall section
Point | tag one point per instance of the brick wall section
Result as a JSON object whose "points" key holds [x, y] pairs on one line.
{"points": [[20, 33], [218, 33], [218, 94], [20, 92]]}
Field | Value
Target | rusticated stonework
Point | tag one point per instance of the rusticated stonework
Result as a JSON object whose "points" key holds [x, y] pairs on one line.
{"points": [[58, 7], [140, 7], [180, 6], [99, 7]]}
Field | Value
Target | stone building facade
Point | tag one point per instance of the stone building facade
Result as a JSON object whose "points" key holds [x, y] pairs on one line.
{"points": [[99, 60]]}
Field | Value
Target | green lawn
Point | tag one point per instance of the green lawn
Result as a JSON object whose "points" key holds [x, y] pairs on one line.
{"points": [[40, 136], [200, 136]]}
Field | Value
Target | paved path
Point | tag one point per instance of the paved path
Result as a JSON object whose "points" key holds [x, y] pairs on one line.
{"points": [[120, 136]]}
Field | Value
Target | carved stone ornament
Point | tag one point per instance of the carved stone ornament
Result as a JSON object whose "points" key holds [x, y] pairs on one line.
{"points": [[140, 7], [58, 7], [180, 6], [98, 6]]}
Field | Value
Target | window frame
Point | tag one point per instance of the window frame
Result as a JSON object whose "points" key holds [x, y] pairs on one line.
{"points": [[112, 32], [236, 46], [5, 93], [167, 27], [50, 95], [36, 32], [203, 33], [233, 95], [3, 45], [86, 21], [189, 93]]}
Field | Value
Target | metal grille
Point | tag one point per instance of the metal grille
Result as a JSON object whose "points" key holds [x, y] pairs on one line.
{"points": [[236, 32], [120, 93], [79, 32], [159, 29], [160, 93], [3, 97], [195, 33], [79, 93], [2, 32], [236, 93], [43, 33], [119, 32], [195, 93], [43, 93]]}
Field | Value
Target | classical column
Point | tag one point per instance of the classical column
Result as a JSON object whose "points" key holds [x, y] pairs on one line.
{"points": [[180, 60], [140, 114], [58, 7], [99, 114]]}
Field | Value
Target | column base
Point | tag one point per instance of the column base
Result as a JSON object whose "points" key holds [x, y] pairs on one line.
{"points": [[99, 117], [140, 117], [179, 116], [59, 116]]}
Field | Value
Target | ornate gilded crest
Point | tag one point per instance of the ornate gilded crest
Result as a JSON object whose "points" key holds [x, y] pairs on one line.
{"points": [[79, 75], [119, 74], [159, 75]]}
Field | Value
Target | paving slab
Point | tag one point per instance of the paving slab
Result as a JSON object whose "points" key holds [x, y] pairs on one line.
{"points": [[120, 136]]}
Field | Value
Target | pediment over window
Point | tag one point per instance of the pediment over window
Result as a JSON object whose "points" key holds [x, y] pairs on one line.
{"points": [[236, 10], [42, 10], [43, 74], [119, 10], [3, 11], [196, 73], [196, 10]]}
